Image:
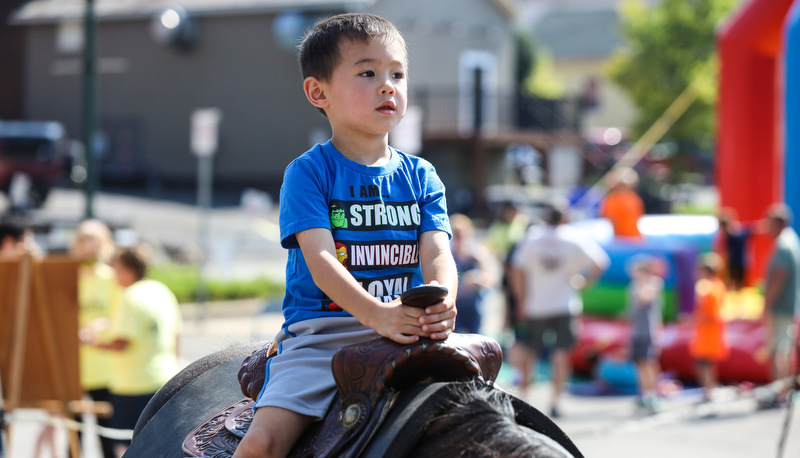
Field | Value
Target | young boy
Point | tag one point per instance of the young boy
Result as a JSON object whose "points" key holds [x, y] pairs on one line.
{"points": [[363, 222], [645, 297]]}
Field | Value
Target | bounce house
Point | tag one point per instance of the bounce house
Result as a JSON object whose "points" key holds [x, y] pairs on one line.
{"points": [[675, 239], [758, 159]]}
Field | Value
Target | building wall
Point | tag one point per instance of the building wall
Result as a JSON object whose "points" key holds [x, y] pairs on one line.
{"points": [[440, 40], [147, 93]]}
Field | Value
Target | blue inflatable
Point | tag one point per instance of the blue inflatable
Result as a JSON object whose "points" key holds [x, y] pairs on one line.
{"points": [[791, 185], [676, 239]]}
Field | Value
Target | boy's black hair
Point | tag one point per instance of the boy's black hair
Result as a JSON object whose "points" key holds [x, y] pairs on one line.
{"points": [[319, 50]]}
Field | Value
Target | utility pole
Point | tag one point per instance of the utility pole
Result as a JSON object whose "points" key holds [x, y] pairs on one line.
{"points": [[89, 105]]}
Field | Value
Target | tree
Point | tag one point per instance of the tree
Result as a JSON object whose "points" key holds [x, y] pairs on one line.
{"points": [[535, 74], [669, 46]]}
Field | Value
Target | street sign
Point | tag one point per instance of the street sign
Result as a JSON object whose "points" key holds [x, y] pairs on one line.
{"points": [[205, 129]]}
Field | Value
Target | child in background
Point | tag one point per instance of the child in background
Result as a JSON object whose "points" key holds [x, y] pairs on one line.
{"points": [[645, 302], [733, 240], [708, 346]]}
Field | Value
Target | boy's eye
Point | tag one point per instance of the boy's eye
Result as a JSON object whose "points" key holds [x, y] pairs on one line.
{"points": [[398, 75], [368, 73]]}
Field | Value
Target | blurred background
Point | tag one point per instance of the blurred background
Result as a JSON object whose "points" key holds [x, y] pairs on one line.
{"points": [[173, 121]]}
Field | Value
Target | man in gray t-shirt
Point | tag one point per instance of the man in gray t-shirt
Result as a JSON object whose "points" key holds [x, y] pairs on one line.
{"points": [[781, 293]]}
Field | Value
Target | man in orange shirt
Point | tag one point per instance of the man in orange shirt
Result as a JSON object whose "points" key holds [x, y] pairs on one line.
{"points": [[623, 206]]}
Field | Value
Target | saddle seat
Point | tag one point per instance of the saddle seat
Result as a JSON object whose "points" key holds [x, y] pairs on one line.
{"points": [[368, 376]]}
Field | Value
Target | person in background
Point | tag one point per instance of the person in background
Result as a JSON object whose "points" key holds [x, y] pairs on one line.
{"points": [[502, 237], [708, 346], [142, 338], [781, 296], [11, 236], [732, 246], [16, 237], [645, 304], [98, 295], [622, 206], [550, 267], [474, 274]]}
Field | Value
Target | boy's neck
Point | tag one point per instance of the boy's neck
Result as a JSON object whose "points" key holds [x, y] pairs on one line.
{"points": [[373, 152]]}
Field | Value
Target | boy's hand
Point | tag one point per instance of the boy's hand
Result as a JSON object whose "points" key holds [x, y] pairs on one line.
{"points": [[398, 322], [439, 319]]}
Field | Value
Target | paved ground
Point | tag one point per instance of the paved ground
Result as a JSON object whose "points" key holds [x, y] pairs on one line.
{"points": [[600, 426]]}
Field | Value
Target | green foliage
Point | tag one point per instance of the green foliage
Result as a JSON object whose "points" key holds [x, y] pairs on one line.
{"points": [[544, 82], [526, 57], [535, 73], [183, 280], [669, 46]]}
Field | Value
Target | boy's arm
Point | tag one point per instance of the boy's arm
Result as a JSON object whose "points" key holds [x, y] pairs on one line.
{"points": [[438, 266], [392, 320]]}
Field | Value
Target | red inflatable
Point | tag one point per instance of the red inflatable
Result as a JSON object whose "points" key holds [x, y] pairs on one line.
{"points": [[747, 340], [749, 164]]}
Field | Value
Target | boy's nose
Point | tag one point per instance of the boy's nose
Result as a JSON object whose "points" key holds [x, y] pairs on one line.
{"points": [[387, 88]]}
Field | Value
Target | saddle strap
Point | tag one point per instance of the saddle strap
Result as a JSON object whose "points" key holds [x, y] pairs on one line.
{"points": [[254, 370]]}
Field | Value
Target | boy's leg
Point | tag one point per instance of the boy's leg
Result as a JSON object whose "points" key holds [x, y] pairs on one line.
{"points": [[272, 433]]}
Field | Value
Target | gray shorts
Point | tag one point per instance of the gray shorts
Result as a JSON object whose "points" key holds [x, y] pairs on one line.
{"points": [[299, 377], [643, 350], [782, 334], [554, 331]]}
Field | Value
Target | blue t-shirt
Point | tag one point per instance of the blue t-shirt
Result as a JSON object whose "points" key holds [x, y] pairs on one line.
{"points": [[376, 215]]}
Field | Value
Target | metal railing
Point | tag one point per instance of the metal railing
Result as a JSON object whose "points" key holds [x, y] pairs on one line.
{"points": [[448, 109]]}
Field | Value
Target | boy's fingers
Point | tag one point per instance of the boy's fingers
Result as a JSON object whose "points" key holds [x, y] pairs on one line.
{"points": [[441, 335], [439, 326], [404, 339], [437, 308], [437, 317], [414, 312]]}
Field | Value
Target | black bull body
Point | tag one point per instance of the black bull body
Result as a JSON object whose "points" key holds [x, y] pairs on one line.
{"points": [[392, 401]]}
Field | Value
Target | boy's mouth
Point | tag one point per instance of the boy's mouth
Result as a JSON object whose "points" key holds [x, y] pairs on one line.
{"points": [[387, 106]]}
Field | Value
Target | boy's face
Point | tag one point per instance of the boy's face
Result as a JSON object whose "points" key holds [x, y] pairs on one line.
{"points": [[367, 92]]}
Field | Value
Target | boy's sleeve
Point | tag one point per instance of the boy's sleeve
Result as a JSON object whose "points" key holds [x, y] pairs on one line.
{"points": [[303, 204], [433, 204]]}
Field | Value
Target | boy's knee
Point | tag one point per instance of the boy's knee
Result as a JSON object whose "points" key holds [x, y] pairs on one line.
{"points": [[258, 446], [272, 433]]}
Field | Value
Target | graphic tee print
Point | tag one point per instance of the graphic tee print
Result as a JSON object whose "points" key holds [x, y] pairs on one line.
{"points": [[375, 214]]}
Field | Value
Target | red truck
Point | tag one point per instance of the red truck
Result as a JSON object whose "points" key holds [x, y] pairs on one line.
{"points": [[33, 154]]}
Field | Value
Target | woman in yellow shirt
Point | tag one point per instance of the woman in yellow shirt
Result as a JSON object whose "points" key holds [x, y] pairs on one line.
{"points": [[98, 294]]}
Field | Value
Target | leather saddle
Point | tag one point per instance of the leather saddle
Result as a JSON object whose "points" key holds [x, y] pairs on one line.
{"points": [[368, 377]]}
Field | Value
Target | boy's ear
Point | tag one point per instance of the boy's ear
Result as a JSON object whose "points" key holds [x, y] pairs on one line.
{"points": [[315, 92]]}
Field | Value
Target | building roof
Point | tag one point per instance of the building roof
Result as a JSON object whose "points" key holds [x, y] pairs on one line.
{"points": [[54, 10], [571, 33], [43, 11]]}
